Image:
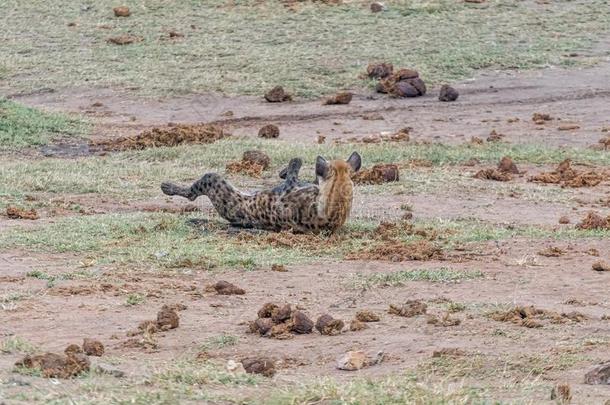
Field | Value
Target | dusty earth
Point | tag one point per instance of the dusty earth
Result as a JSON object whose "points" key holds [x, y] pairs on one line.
{"points": [[520, 364]]}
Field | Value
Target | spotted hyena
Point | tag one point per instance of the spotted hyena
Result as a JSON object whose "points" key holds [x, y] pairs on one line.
{"points": [[292, 205]]}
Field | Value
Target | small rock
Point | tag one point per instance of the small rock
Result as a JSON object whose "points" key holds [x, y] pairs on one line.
{"points": [[599, 375], [277, 95], [103, 368], [352, 360], [601, 266], [327, 325], [301, 323], [235, 367], [448, 93], [259, 365], [339, 98], [121, 11], [376, 7], [225, 288], [93, 347], [564, 219], [167, 318], [269, 131]]}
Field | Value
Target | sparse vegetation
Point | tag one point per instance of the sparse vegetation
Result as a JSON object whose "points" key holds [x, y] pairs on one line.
{"points": [[399, 278], [16, 344]]}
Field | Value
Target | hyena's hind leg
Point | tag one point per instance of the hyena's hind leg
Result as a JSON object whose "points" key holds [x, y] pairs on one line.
{"points": [[198, 188]]}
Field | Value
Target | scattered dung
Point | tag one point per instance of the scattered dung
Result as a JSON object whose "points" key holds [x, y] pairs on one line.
{"points": [[601, 266], [377, 7], [277, 95], [267, 310], [605, 143], [13, 212], [301, 324], [279, 268], [449, 352], [495, 136], [171, 135], [259, 365], [403, 83], [327, 325], [352, 361], [493, 174], [475, 140], [378, 174], [175, 34], [379, 70], [561, 392], [258, 157], [448, 93], [531, 317], [262, 326], [445, 321], [248, 168], [339, 98], [564, 219], [225, 288], [507, 165], [321, 139], [567, 176], [408, 309], [397, 251], [281, 314], [167, 318], [552, 251], [73, 349], [599, 375], [124, 39], [121, 11], [594, 221], [366, 315], [540, 118], [356, 325], [269, 131], [53, 365], [93, 347]]}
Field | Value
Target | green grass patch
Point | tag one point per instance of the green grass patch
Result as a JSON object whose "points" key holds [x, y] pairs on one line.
{"points": [[137, 175], [399, 278], [16, 344], [22, 126], [219, 342], [248, 46], [198, 374]]}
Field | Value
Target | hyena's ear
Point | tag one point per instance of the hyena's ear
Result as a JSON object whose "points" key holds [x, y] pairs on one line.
{"points": [[322, 167], [355, 161]]}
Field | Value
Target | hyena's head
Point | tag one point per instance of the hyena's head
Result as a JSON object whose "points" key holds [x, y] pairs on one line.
{"points": [[336, 187]]}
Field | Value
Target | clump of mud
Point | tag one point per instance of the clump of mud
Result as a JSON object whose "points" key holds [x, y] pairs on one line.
{"points": [[379, 70], [552, 251], [378, 174], [540, 118], [448, 93], [259, 365], [269, 131], [367, 315], [327, 325], [567, 176], [409, 309], [277, 95], [13, 212], [171, 135], [124, 39], [225, 288], [121, 11], [594, 221], [444, 321], [280, 322], [403, 83], [93, 347], [601, 266], [504, 172], [52, 365], [398, 251], [532, 317], [339, 98], [167, 318]]}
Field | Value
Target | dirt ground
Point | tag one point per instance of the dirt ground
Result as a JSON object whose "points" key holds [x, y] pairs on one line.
{"points": [[508, 362]]}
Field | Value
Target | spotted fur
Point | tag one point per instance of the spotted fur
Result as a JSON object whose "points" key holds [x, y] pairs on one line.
{"points": [[292, 205]]}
